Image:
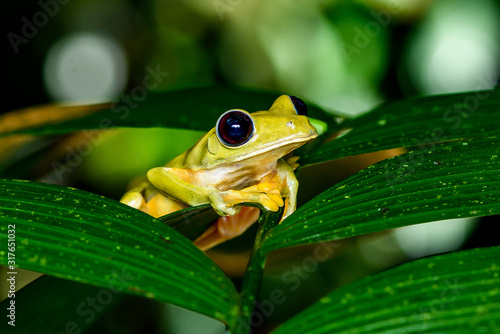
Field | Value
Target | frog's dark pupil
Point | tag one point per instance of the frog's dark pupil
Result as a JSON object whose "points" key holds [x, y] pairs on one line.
{"points": [[300, 106], [235, 128]]}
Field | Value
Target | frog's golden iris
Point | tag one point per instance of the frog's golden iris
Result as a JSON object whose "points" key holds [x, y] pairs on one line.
{"points": [[238, 161]]}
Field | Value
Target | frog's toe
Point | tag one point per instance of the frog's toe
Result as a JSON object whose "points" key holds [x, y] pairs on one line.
{"points": [[276, 197], [269, 203], [225, 210], [133, 199]]}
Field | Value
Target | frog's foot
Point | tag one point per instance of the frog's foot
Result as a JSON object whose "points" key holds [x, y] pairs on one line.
{"points": [[136, 197], [270, 201], [159, 205], [269, 190], [267, 193], [135, 200], [151, 201], [227, 227]]}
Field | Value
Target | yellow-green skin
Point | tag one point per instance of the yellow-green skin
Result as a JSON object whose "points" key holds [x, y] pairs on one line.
{"points": [[213, 173]]}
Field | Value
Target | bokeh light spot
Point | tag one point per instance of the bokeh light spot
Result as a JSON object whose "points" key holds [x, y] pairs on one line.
{"points": [[85, 68], [432, 238], [455, 49]]}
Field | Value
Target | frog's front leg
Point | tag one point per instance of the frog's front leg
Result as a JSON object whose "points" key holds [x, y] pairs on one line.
{"points": [[180, 184], [288, 187], [229, 227], [279, 185], [282, 183]]}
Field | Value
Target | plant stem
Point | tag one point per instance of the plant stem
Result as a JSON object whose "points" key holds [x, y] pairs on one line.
{"points": [[253, 275], [250, 290]]}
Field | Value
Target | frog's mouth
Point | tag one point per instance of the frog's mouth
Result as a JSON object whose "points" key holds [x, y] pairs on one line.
{"points": [[276, 150]]}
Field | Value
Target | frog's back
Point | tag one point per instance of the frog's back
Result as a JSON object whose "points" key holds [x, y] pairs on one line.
{"points": [[192, 159]]}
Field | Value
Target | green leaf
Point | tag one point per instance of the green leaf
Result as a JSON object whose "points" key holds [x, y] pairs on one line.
{"points": [[71, 303], [72, 234], [191, 222], [194, 108], [453, 180], [415, 122], [452, 293], [60, 306]]}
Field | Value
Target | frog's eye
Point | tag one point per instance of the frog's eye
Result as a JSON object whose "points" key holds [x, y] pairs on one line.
{"points": [[300, 106], [234, 128]]}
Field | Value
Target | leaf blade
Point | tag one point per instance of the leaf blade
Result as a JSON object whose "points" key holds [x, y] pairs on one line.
{"points": [[453, 180], [69, 309], [193, 108], [191, 222], [415, 122], [72, 234], [446, 293]]}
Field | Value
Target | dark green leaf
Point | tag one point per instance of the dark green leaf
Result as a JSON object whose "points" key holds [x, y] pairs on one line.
{"points": [[69, 301], [60, 306], [194, 108], [72, 234], [415, 122], [453, 180], [191, 222], [452, 293]]}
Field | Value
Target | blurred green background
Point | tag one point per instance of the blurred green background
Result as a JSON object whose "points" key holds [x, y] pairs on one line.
{"points": [[345, 56]]}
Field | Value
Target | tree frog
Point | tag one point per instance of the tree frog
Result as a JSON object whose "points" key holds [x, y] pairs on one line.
{"points": [[239, 161]]}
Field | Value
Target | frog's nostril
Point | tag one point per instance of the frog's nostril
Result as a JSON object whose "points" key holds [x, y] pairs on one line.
{"points": [[290, 124]]}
